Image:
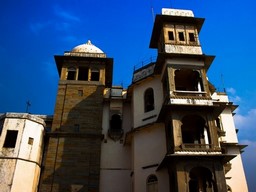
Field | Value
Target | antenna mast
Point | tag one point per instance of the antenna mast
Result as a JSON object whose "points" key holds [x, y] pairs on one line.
{"points": [[222, 81], [153, 14], [152, 11], [28, 105]]}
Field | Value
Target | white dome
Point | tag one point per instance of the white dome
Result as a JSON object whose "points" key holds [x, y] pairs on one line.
{"points": [[86, 48]]}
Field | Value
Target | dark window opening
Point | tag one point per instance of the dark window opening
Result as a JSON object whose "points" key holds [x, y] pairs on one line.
{"points": [[83, 74], [181, 36], [1, 125], [188, 80], [171, 35], [191, 37], [71, 74], [149, 100], [115, 131], [229, 188], [201, 179], [195, 131], [30, 141], [218, 123], [80, 93], [166, 88], [152, 184], [76, 128], [116, 122], [95, 75], [10, 139]]}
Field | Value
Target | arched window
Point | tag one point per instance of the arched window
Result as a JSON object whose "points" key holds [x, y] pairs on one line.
{"points": [[229, 188], [149, 103], [152, 184], [201, 179], [115, 131], [195, 131], [116, 122], [71, 73], [188, 80]]}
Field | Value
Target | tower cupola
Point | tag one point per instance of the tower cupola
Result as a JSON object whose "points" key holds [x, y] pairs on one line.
{"points": [[176, 31], [85, 63], [86, 50]]}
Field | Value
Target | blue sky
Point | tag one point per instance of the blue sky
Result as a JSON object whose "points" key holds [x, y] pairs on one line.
{"points": [[32, 32]]}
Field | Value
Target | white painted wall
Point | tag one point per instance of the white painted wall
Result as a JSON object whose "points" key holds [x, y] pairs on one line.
{"points": [[115, 168], [138, 101], [24, 168], [115, 180], [237, 180], [149, 145], [229, 126]]}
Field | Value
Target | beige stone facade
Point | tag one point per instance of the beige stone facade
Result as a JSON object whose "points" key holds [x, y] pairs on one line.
{"points": [[168, 131]]}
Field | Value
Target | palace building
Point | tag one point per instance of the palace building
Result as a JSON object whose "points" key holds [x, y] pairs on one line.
{"points": [[169, 131]]}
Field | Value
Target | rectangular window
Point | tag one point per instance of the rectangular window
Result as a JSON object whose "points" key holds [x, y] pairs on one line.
{"points": [[181, 36], [191, 37], [71, 75], [76, 128], [30, 141], [95, 75], [10, 139], [80, 93], [83, 74], [171, 35]]}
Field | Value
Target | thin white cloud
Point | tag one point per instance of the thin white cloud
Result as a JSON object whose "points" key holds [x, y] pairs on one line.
{"points": [[235, 99], [62, 26], [231, 90], [246, 123], [69, 38], [65, 14], [39, 26], [232, 95]]}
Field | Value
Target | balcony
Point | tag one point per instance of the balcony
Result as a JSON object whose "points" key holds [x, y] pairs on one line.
{"points": [[178, 93], [189, 98], [191, 148]]}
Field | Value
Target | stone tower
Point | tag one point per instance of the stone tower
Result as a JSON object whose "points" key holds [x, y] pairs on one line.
{"points": [[183, 136], [197, 157], [72, 157]]}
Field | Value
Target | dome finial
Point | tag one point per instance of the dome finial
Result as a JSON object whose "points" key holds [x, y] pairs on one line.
{"points": [[86, 48]]}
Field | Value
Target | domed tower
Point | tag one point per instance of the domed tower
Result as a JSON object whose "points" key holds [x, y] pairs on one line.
{"points": [[72, 156], [84, 73]]}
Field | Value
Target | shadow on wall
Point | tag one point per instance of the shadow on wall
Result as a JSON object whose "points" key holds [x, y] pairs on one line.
{"points": [[71, 160]]}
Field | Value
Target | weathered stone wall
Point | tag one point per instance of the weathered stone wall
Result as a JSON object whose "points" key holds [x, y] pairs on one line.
{"points": [[71, 164], [7, 167], [72, 156], [20, 163], [81, 105]]}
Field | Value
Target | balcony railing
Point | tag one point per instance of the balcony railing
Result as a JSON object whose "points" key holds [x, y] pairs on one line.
{"points": [[190, 93], [199, 147]]}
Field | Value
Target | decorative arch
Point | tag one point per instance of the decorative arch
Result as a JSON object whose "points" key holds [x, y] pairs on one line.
{"points": [[201, 179], [195, 130], [229, 188], [149, 102], [115, 131], [188, 80]]}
